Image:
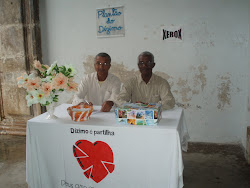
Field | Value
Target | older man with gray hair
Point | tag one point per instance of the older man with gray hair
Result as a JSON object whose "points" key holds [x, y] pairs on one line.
{"points": [[147, 87], [100, 87]]}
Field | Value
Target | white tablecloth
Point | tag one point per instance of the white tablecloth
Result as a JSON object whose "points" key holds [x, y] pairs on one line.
{"points": [[143, 156]]}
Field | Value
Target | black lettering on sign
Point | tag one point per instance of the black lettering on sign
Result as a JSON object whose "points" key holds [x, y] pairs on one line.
{"points": [[164, 34], [170, 34]]}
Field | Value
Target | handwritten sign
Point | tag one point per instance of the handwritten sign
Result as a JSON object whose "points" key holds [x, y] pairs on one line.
{"points": [[172, 33], [110, 22]]}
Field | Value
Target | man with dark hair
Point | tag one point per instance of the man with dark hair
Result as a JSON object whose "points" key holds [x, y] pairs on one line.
{"points": [[147, 87], [100, 87]]}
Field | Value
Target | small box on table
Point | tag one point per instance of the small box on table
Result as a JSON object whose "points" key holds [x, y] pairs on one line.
{"points": [[138, 114]]}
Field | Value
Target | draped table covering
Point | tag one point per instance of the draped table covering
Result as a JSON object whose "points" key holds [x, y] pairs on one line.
{"points": [[99, 153]]}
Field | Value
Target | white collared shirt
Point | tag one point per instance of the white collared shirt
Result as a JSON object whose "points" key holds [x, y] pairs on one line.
{"points": [[92, 91], [157, 90]]}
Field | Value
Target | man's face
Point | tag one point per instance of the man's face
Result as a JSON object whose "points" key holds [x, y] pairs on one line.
{"points": [[145, 64], [102, 65]]}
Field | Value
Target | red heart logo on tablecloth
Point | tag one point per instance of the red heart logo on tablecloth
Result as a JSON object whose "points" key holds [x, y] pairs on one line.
{"points": [[96, 159]]}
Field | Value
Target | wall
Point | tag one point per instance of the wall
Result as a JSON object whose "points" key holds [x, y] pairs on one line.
{"points": [[13, 108], [20, 44], [248, 102], [208, 71]]}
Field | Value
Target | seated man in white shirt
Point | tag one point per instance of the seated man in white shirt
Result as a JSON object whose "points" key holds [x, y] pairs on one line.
{"points": [[100, 87], [147, 87]]}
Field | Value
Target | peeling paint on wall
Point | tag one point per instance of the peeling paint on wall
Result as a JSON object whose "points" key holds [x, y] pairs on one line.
{"points": [[183, 88], [175, 92], [122, 71], [195, 92], [184, 93], [188, 87], [185, 106], [200, 77], [224, 95], [89, 65]]}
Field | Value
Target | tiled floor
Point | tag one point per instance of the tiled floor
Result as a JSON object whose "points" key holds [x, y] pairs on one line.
{"points": [[206, 165]]}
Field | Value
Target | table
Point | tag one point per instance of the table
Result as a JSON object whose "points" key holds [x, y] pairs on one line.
{"points": [[140, 156]]}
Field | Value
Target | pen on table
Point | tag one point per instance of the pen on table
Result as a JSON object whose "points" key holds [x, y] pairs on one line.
{"points": [[85, 101], [94, 112]]}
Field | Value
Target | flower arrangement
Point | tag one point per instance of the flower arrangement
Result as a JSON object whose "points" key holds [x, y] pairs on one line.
{"points": [[44, 87]]}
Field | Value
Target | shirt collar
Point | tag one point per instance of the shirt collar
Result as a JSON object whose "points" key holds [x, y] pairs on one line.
{"points": [[140, 80], [108, 77]]}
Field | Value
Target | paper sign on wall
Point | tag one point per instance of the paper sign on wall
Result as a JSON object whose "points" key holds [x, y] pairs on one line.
{"points": [[172, 33], [110, 22]]}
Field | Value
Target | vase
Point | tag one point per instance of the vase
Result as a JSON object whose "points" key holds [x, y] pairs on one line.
{"points": [[50, 111]]}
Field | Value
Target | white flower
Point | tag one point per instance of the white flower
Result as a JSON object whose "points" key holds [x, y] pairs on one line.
{"points": [[32, 75], [31, 99], [54, 73], [71, 70], [39, 96], [23, 80], [51, 67]]}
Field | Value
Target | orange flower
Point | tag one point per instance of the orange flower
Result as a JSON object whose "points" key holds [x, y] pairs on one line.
{"points": [[33, 83], [22, 80], [46, 88], [72, 86], [37, 65], [60, 81]]}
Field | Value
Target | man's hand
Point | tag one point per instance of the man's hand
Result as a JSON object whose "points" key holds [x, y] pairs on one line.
{"points": [[106, 106]]}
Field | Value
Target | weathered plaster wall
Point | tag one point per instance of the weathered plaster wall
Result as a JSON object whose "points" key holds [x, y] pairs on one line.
{"points": [[12, 64], [208, 71]]}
